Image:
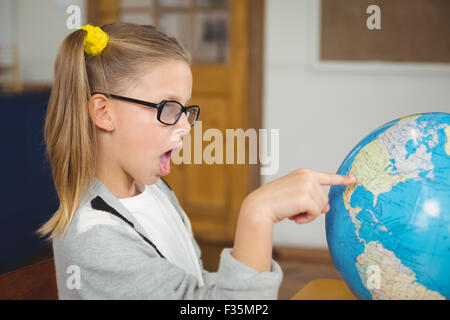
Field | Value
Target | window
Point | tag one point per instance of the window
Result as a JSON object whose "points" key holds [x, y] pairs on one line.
{"points": [[202, 26]]}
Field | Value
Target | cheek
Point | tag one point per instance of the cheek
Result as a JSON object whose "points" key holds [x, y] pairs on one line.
{"points": [[139, 136]]}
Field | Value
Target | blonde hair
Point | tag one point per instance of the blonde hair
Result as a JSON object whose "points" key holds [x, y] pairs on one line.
{"points": [[69, 131]]}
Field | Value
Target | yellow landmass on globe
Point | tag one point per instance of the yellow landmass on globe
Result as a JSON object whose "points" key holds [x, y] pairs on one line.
{"points": [[447, 145], [369, 168], [347, 195], [394, 280], [352, 211], [412, 117]]}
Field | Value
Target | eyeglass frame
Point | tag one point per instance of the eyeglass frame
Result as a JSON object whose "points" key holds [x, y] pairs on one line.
{"points": [[158, 106]]}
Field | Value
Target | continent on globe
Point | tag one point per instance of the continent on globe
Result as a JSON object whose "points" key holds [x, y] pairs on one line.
{"points": [[373, 170], [396, 280]]}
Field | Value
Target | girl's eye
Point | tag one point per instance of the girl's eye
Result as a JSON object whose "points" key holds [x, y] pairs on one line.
{"points": [[170, 112]]}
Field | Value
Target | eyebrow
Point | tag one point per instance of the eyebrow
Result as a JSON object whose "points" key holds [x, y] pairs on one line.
{"points": [[177, 99]]}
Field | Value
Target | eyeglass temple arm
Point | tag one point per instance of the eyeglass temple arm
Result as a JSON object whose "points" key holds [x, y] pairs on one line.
{"points": [[148, 104]]}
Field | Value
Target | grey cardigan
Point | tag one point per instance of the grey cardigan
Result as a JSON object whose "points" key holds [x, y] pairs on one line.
{"points": [[105, 255]]}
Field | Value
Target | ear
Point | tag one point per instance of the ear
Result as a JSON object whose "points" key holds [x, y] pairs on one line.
{"points": [[101, 112]]}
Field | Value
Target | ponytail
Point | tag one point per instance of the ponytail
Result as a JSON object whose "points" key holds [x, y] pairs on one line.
{"points": [[69, 133]]}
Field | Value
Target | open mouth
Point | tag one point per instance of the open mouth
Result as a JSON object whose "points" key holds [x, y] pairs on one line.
{"points": [[164, 160], [164, 163]]}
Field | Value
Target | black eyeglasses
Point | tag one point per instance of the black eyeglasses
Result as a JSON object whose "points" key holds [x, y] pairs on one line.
{"points": [[169, 111]]}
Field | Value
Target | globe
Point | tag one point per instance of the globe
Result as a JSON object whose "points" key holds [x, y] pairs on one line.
{"points": [[389, 233]]}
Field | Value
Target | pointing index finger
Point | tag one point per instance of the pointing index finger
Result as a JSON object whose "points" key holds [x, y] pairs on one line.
{"points": [[331, 179]]}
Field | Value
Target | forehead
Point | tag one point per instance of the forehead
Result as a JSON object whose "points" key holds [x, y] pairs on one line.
{"points": [[165, 79]]}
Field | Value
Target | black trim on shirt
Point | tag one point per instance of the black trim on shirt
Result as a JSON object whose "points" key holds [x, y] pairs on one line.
{"points": [[99, 204]]}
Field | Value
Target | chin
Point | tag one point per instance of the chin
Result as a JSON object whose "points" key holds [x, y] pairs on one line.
{"points": [[149, 180]]}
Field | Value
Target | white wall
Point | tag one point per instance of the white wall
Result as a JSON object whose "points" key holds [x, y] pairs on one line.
{"points": [[324, 111], [41, 29], [6, 30], [7, 34]]}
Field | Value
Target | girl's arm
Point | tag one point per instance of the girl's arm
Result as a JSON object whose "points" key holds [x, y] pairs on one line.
{"points": [[297, 196]]}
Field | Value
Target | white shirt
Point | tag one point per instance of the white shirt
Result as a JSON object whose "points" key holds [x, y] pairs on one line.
{"points": [[164, 227]]}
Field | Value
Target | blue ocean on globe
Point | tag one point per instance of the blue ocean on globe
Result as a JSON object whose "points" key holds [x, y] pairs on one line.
{"points": [[389, 233]]}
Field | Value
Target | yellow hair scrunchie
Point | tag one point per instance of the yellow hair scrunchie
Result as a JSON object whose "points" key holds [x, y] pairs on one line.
{"points": [[95, 41]]}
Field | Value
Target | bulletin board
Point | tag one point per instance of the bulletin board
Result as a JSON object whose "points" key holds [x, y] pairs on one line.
{"points": [[411, 31]]}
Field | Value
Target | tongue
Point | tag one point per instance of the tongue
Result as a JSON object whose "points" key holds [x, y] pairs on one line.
{"points": [[164, 163]]}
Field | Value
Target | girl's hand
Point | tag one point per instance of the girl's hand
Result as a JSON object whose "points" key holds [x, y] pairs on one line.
{"points": [[297, 196]]}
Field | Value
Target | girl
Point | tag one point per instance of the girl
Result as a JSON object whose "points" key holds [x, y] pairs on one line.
{"points": [[116, 112]]}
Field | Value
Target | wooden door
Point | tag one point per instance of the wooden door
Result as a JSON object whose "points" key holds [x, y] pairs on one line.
{"points": [[227, 72]]}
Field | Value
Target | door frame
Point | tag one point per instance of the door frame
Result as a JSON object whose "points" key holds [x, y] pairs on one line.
{"points": [[257, 23]]}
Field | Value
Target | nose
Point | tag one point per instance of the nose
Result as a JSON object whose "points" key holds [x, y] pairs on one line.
{"points": [[182, 127], [183, 123]]}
